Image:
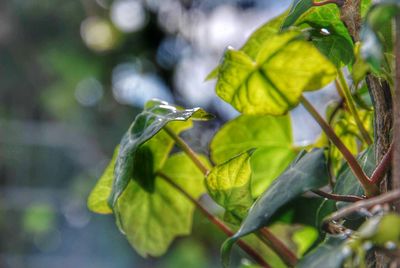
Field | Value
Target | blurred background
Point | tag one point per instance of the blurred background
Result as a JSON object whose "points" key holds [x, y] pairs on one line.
{"points": [[73, 75]]}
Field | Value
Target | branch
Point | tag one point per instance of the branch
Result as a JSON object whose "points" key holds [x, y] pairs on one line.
{"points": [[217, 222], [370, 189], [189, 152], [387, 197], [337, 197]]}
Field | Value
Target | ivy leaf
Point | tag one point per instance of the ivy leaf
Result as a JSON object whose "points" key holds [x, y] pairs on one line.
{"points": [[273, 83], [328, 33], [297, 9], [97, 200], [347, 183], [331, 253], [229, 185], [272, 136], [308, 171], [152, 156], [148, 123], [151, 220]]}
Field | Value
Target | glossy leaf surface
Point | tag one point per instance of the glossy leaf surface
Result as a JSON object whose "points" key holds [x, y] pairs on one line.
{"points": [[154, 117]]}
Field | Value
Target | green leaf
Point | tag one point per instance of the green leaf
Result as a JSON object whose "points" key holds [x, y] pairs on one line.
{"points": [[328, 33], [97, 200], [273, 82], [380, 229], [229, 185], [272, 136], [151, 158], [152, 220], [347, 183], [297, 9], [331, 253], [308, 171], [148, 123]]}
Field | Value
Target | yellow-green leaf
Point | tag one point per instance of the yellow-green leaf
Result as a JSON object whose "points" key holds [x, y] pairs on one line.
{"points": [[152, 220], [270, 135], [229, 185], [97, 200], [272, 83]]}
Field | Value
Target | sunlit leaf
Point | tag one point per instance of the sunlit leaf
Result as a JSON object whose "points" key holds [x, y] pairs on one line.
{"points": [[272, 136], [151, 220], [147, 124], [272, 84], [381, 229], [304, 239], [229, 185], [97, 200], [307, 171], [331, 253]]}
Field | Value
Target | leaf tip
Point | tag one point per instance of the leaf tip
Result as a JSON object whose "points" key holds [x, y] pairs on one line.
{"points": [[226, 251]]}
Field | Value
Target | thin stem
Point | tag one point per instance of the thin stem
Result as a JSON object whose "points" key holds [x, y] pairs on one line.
{"points": [[336, 197], [387, 197], [352, 107], [277, 246], [322, 3], [189, 152], [217, 222], [370, 189], [379, 173]]}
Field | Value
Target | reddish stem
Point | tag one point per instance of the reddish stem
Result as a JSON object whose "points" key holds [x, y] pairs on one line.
{"points": [[217, 222], [326, 2], [380, 170], [337, 197]]}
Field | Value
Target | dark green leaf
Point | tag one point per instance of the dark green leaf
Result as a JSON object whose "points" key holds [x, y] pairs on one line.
{"points": [[329, 34], [297, 9], [331, 253], [147, 124], [271, 135], [347, 183], [308, 171], [229, 185]]}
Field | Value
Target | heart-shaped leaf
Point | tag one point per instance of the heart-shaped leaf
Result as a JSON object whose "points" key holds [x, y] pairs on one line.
{"points": [[271, 135], [229, 185], [273, 82], [308, 171], [151, 220], [148, 123]]}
